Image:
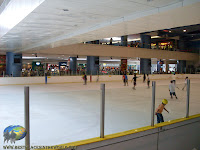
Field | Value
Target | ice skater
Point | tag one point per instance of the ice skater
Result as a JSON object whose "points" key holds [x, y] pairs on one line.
{"points": [[185, 83], [126, 79], [85, 79], [134, 81], [172, 89], [148, 81], [174, 77], [144, 78], [159, 111]]}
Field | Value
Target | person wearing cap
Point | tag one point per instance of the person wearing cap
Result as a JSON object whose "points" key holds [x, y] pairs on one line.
{"points": [[159, 111]]}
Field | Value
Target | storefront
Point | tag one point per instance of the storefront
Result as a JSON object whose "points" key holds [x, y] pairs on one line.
{"points": [[2, 65], [172, 68], [37, 69], [53, 69], [165, 45]]}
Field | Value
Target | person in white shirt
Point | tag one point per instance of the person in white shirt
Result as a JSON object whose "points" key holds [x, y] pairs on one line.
{"points": [[185, 83], [174, 78], [172, 89]]}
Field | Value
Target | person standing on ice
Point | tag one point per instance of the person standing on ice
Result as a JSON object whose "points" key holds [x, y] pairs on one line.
{"points": [[126, 78], [144, 78], [85, 79], [148, 80], [185, 83], [159, 111], [134, 79], [172, 89], [174, 77]]}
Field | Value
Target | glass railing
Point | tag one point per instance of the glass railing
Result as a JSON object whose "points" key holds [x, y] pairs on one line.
{"points": [[80, 73], [71, 112]]}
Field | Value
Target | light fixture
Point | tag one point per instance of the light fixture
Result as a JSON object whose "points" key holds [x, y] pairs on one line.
{"points": [[170, 31], [184, 30]]}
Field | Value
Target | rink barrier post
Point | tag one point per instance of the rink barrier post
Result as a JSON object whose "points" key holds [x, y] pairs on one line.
{"points": [[188, 98], [26, 117], [45, 78], [102, 110], [153, 102]]}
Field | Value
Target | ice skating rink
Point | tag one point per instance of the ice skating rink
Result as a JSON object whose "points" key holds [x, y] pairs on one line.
{"points": [[62, 113]]}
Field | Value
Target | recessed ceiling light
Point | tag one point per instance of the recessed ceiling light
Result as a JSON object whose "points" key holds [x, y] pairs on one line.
{"points": [[65, 9], [184, 30], [170, 31]]}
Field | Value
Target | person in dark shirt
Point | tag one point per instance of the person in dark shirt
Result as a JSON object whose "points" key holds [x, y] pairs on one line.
{"points": [[134, 81], [85, 79], [144, 77]]}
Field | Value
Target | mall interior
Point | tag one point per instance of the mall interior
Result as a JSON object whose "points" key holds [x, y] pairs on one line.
{"points": [[49, 45]]}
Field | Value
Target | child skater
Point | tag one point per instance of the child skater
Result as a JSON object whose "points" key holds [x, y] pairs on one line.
{"points": [[134, 79], [172, 89], [185, 83], [159, 111], [148, 80]]}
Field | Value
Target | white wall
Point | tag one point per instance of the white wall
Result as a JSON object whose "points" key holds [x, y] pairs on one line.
{"points": [[78, 79]]}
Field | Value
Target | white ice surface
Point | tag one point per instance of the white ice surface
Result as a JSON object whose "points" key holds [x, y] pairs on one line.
{"points": [[62, 113]]}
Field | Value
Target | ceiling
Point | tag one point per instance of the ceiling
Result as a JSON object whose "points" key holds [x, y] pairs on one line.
{"points": [[1, 1], [65, 22]]}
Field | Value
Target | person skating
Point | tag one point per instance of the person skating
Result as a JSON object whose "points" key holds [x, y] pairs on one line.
{"points": [[148, 80], [126, 79], [172, 89], [144, 78], [159, 111], [185, 83], [85, 79], [134, 81]]}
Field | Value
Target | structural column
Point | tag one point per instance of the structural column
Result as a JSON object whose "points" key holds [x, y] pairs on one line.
{"points": [[181, 66], [145, 66], [92, 65], [13, 64], [167, 65], [73, 64], [145, 41], [124, 40]]}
